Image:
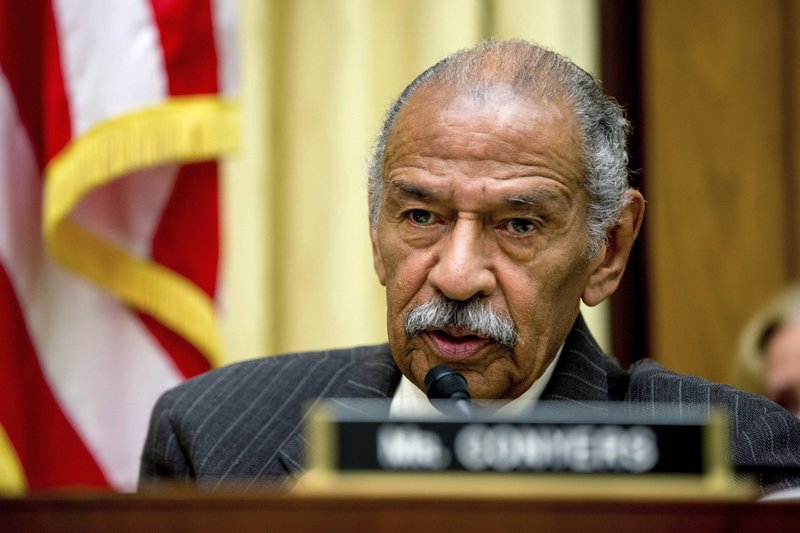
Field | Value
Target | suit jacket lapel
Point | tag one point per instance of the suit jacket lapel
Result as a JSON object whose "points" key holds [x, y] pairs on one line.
{"points": [[374, 377], [584, 373]]}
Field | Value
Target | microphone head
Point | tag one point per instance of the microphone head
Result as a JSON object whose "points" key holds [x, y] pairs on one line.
{"points": [[444, 383]]}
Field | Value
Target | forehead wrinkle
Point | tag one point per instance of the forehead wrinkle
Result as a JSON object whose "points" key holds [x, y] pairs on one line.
{"points": [[503, 164]]}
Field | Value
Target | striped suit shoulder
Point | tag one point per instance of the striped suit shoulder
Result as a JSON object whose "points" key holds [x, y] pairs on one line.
{"points": [[243, 422], [763, 435]]}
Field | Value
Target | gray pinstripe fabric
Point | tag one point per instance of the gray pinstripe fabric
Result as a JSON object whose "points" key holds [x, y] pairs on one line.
{"points": [[242, 424]]}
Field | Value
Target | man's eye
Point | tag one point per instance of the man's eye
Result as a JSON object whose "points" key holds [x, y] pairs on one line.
{"points": [[420, 217], [520, 226]]}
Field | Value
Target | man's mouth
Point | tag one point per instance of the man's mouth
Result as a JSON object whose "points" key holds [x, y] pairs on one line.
{"points": [[456, 345]]}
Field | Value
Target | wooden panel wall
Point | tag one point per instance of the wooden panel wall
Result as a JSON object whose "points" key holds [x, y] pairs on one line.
{"points": [[791, 36], [720, 90]]}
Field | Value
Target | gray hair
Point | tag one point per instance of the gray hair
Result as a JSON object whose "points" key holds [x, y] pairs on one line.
{"points": [[541, 74]]}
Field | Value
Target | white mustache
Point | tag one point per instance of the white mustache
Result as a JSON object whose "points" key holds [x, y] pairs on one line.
{"points": [[475, 316]]}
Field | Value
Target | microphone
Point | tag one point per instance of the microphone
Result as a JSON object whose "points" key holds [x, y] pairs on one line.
{"points": [[444, 383]]}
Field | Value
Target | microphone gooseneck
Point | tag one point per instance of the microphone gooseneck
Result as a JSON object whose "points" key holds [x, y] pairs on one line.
{"points": [[444, 383]]}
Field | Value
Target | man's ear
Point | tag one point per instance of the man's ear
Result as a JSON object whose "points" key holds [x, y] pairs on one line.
{"points": [[377, 260], [609, 264]]}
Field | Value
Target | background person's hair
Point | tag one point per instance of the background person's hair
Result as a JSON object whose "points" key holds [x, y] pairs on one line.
{"points": [[748, 371], [544, 76]]}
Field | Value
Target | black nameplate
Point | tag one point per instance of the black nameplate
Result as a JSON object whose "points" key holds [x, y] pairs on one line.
{"points": [[358, 437], [520, 447]]}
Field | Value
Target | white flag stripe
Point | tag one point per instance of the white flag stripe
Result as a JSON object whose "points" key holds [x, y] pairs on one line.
{"points": [[225, 15], [113, 63], [19, 194], [127, 211], [111, 58], [104, 367]]}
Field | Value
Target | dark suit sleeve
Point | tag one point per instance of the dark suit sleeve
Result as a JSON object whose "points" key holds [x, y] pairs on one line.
{"points": [[163, 457], [767, 446], [765, 438]]}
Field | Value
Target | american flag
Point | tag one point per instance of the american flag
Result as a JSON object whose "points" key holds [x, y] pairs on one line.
{"points": [[113, 114]]}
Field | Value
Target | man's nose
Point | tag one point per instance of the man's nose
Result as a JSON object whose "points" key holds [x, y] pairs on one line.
{"points": [[463, 267]]}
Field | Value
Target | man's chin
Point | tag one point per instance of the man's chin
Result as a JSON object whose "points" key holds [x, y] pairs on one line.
{"points": [[421, 356]]}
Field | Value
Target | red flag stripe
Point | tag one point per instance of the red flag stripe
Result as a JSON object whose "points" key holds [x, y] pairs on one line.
{"points": [[22, 28], [57, 123], [187, 37], [186, 241], [187, 237]]}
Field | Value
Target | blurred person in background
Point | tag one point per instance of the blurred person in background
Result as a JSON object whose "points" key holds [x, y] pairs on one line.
{"points": [[768, 360]]}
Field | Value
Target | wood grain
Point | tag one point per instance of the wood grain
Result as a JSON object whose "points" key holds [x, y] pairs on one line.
{"points": [[715, 101]]}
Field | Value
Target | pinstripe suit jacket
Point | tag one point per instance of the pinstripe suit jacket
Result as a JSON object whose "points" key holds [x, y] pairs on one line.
{"points": [[242, 424]]}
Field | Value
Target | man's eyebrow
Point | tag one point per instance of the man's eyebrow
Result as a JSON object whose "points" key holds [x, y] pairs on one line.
{"points": [[534, 198], [406, 189]]}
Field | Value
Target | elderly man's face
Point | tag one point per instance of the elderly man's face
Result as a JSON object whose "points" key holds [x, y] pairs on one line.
{"points": [[483, 198]]}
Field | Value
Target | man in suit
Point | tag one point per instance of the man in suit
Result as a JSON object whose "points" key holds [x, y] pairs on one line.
{"points": [[499, 199]]}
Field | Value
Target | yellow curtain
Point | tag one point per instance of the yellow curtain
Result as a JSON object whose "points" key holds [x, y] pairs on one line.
{"points": [[317, 76]]}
